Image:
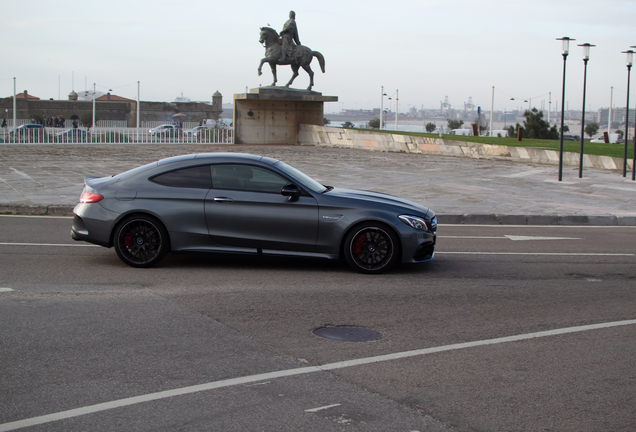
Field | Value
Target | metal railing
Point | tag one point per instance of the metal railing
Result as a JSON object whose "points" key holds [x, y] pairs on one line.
{"points": [[116, 136]]}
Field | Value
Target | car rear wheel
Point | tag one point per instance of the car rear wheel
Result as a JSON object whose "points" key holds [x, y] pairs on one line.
{"points": [[371, 248], [141, 241]]}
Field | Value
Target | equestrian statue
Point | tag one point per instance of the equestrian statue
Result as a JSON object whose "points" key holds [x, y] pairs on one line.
{"points": [[285, 49]]}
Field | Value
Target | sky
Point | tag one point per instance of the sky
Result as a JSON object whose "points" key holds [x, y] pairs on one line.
{"points": [[426, 50]]}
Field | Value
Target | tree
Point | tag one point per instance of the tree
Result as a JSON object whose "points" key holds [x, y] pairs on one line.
{"points": [[325, 121], [430, 127], [454, 124], [591, 129], [535, 127], [348, 125], [375, 123]]}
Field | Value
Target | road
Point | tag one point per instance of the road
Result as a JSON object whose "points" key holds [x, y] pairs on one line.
{"points": [[509, 328]]}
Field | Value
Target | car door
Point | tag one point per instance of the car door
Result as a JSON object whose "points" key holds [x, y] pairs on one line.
{"points": [[245, 209]]}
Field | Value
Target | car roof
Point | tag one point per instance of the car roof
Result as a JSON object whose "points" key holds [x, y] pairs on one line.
{"points": [[218, 157]]}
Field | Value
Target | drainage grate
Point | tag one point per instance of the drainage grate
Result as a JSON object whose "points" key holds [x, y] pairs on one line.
{"points": [[348, 333]]}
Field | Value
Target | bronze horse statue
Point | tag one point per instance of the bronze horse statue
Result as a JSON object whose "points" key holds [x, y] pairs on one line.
{"points": [[302, 57]]}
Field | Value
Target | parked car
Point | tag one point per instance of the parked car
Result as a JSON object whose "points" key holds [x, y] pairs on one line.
{"points": [[73, 136], [166, 131], [465, 132], [248, 204], [196, 133], [567, 137], [27, 129]]}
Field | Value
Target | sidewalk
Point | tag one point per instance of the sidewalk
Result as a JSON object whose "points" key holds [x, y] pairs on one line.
{"points": [[48, 179]]}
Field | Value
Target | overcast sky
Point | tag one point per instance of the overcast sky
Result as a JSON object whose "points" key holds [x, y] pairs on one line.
{"points": [[427, 50]]}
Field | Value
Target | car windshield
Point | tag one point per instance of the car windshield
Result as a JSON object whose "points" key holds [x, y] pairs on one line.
{"points": [[307, 181]]}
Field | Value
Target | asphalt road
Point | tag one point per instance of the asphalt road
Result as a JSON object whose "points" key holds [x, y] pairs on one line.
{"points": [[472, 341]]}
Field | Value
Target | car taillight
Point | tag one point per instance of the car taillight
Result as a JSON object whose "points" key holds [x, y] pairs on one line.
{"points": [[88, 197]]}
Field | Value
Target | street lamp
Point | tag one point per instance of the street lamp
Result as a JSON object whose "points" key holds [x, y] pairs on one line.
{"points": [[634, 158], [630, 61], [382, 106], [565, 48], [586, 57], [492, 109], [396, 109]]}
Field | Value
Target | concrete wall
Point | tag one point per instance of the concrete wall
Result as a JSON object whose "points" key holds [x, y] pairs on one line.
{"points": [[352, 138], [273, 121]]}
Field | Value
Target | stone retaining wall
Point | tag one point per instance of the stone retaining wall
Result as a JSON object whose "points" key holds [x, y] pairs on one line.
{"points": [[352, 138]]}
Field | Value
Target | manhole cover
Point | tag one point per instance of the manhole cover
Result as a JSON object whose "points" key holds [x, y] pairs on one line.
{"points": [[348, 333]]}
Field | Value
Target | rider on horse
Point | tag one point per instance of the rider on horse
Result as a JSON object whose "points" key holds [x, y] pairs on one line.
{"points": [[290, 39]]}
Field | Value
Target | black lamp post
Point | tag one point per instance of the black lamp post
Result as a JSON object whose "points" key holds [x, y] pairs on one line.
{"points": [[564, 51], [634, 158], [586, 57], [630, 60]]}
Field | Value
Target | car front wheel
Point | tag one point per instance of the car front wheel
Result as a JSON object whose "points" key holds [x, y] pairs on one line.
{"points": [[141, 241], [371, 248]]}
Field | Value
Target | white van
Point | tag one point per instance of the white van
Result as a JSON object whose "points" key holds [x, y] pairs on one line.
{"points": [[613, 139], [500, 132], [465, 132]]}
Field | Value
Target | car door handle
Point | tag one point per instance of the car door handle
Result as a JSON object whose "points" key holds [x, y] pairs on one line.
{"points": [[223, 200]]}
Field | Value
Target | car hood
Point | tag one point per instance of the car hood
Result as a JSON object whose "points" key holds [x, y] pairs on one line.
{"points": [[337, 194]]}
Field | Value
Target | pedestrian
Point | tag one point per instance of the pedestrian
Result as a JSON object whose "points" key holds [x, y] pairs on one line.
{"points": [[4, 123]]}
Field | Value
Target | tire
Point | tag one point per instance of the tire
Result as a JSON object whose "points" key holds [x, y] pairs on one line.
{"points": [[141, 241], [371, 248]]}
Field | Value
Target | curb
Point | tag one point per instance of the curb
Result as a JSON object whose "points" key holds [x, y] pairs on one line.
{"points": [[445, 219], [37, 210], [564, 220]]}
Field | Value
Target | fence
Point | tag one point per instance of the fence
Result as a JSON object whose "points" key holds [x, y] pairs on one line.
{"points": [[116, 136], [112, 123]]}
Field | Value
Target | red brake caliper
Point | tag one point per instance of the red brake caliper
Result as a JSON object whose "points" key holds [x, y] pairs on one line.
{"points": [[357, 247]]}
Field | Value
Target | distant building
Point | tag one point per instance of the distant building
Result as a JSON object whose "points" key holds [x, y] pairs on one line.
{"points": [[111, 107], [618, 115]]}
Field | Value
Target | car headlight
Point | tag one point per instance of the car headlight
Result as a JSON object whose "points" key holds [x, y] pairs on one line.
{"points": [[414, 221]]}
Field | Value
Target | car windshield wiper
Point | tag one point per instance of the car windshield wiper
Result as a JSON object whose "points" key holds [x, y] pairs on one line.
{"points": [[328, 188]]}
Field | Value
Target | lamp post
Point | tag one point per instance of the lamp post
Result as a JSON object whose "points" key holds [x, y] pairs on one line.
{"points": [[492, 109], [634, 158], [396, 109], [138, 102], [94, 88], [565, 48], [586, 57], [630, 61], [14, 105], [382, 106]]}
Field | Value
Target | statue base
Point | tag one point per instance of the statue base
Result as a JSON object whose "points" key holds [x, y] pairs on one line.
{"points": [[271, 115]]}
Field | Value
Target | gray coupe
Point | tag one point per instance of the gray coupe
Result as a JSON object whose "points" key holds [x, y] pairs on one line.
{"points": [[247, 204]]}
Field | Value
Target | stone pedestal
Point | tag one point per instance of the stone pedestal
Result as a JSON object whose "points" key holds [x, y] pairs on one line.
{"points": [[271, 115]]}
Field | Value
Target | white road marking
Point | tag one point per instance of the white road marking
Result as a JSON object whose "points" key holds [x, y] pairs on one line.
{"points": [[313, 410], [514, 237], [471, 237], [6, 290], [297, 371], [534, 253], [511, 237], [49, 244]]}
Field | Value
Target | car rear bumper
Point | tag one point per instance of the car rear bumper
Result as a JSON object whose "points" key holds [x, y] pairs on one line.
{"points": [[93, 224]]}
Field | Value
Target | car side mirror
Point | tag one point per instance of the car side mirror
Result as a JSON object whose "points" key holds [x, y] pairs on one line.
{"points": [[291, 191]]}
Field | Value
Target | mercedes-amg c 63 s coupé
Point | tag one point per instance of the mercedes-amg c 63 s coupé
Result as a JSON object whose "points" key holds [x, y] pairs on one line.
{"points": [[248, 204]]}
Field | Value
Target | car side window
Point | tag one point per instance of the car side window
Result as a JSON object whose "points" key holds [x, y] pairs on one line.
{"points": [[195, 177], [246, 178]]}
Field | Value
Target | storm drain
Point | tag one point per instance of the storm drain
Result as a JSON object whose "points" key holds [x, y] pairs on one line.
{"points": [[348, 333]]}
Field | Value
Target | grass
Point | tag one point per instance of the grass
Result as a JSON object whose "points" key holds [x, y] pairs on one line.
{"points": [[598, 149]]}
